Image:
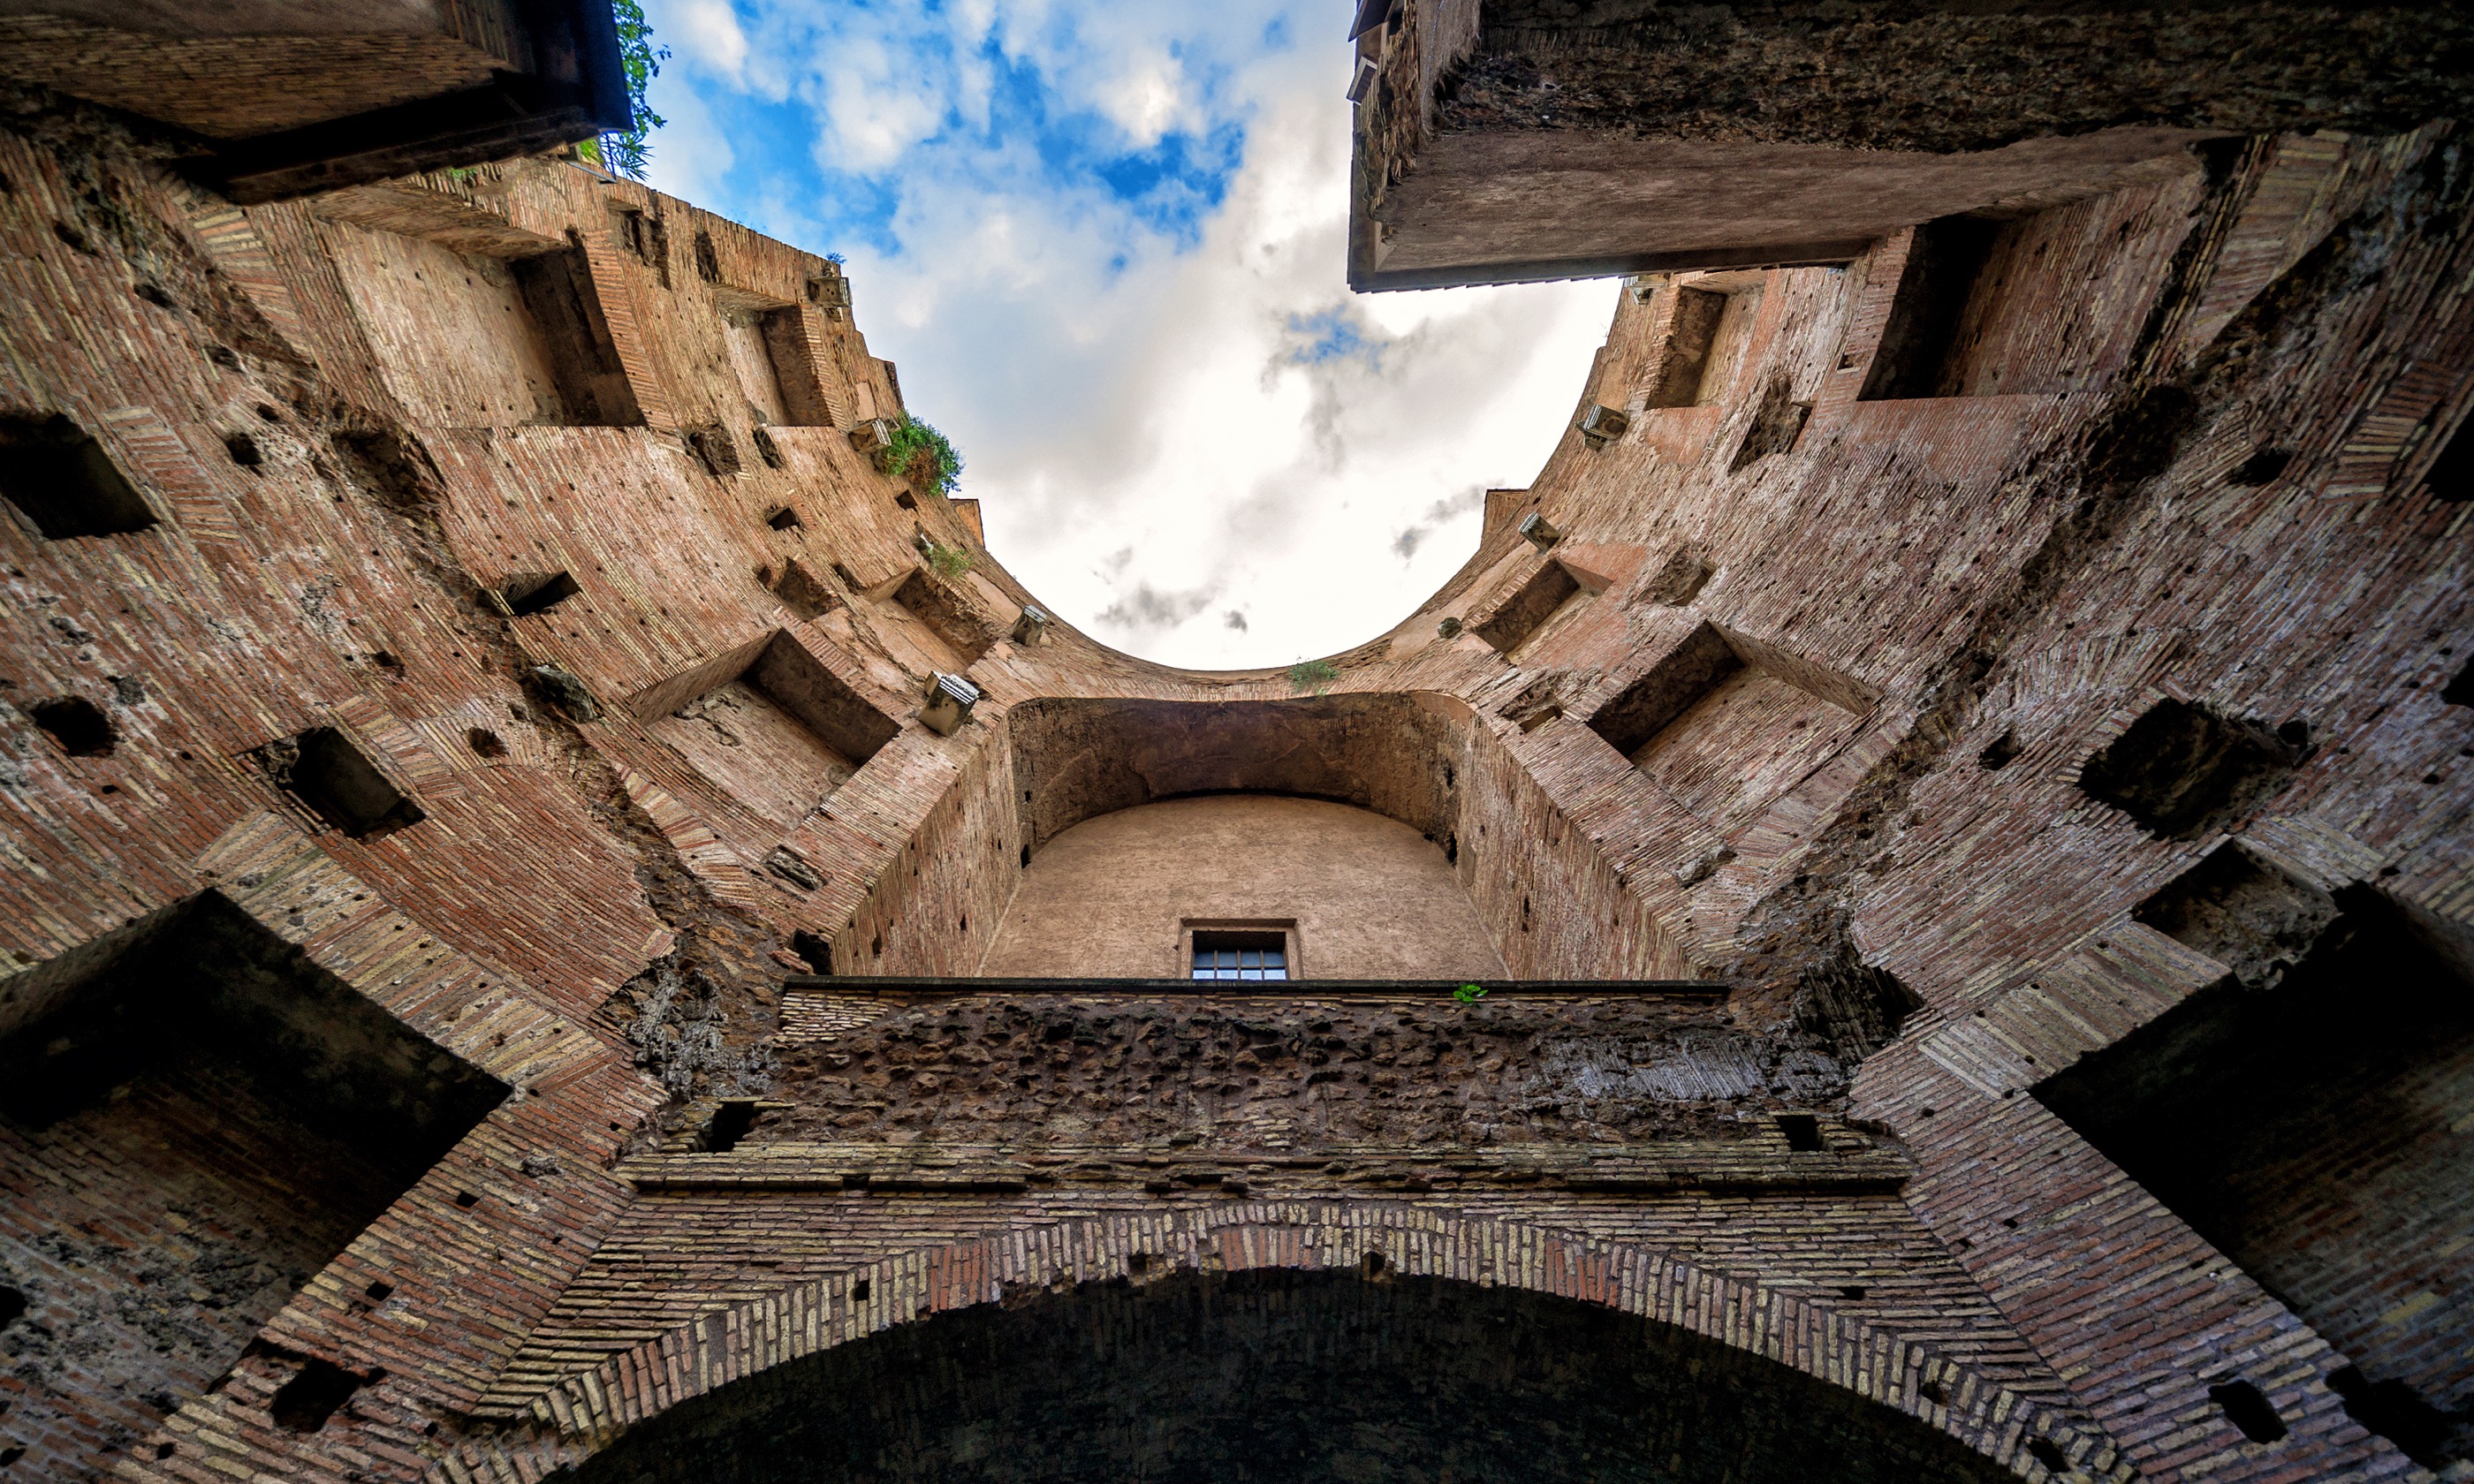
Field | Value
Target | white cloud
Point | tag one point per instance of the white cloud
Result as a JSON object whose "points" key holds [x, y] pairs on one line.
{"points": [[709, 32], [1151, 453]]}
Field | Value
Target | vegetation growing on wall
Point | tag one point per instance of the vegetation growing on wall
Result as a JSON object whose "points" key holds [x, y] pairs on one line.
{"points": [[628, 153], [1313, 674], [925, 457]]}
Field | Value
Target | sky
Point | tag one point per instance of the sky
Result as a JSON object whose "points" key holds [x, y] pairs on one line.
{"points": [[1104, 241]]}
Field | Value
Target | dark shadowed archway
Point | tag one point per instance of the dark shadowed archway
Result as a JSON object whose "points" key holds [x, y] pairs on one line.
{"points": [[1283, 1377]]}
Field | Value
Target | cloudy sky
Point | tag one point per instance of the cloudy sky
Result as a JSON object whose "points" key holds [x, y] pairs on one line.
{"points": [[1104, 240]]}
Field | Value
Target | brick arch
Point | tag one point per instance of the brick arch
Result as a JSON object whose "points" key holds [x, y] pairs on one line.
{"points": [[588, 1411]]}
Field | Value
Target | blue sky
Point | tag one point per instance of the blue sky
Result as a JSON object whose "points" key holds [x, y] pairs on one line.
{"points": [[1102, 239]]}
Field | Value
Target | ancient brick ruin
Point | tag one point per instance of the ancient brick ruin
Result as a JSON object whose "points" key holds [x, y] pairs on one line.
{"points": [[1906, 916]]}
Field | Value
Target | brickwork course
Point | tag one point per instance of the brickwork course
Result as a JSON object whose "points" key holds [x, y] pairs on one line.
{"points": [[1961, 792]]}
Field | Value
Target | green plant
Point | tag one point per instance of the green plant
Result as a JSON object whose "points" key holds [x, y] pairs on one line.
{"points": [[1470, 994], [1315, 675], [925, 457], [628, 153], [949, 561]]}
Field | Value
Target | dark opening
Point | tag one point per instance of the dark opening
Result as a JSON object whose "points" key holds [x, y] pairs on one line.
{"points": [[1933, 1392], [1803, 1131], [714, 448], [1275, 1376], [2245, 1408], [212, 1117], [2311, 1127], [2184, 770], [860, 1291], [78, 725], [2043, 1450], [813, 951], [2260, 467], [729, 1124], [566, 312], [13, 1306], [708, 262], [60, 479], [2452, 473], [2460, 690], [485, 743], [2392, 1410], [1920, 354], [784, 519], [379, 1291], [304, 1403], [243, 450], [324, 771], [538, 594], [1026, 857], [1998, 753], [771, 453]]}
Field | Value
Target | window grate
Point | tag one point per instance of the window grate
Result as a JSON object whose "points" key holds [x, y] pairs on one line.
{"points": [[1240, 956]]}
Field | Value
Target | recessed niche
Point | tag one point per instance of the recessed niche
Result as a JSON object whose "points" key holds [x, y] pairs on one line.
{"points": [[537, 592], [1726, 727], [2310, 1124], [1691, 350], [783, 518], [949, 613], [566, 312], [777, 730], [77, 725], [1525, 613], [61, 481], [1777, 422], [533, 344], [803, 592], [212, 1117], [2249, 917], [714, 448], [338, 782], [2184, 770], [1972, 313], [777, 365], [1921, 353], [304, 1403]]}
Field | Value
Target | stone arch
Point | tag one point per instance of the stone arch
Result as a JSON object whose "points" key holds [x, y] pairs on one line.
{"points": [[590, 1411], [1398, 752]]}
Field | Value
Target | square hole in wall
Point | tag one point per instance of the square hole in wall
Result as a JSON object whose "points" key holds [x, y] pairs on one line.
{"points": [[62, 482], [1705, 343], [779, 731], [2309, 1122], [2183, 770], [1531, 607], [214, 1117], [532, 342], [949, 613], [1724, 734], [339, 783]]}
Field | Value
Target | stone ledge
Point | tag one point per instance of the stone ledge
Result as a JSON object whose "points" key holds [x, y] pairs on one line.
{"points": [[1847, 1162]]}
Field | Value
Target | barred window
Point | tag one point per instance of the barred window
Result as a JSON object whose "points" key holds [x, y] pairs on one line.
{"points": [[1241, 955]]}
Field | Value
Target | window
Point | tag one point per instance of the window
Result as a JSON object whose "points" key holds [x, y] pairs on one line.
{"points": [[1255, 954]]}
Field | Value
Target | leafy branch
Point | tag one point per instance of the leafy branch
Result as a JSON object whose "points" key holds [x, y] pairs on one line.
{"points": [[627, 153]]}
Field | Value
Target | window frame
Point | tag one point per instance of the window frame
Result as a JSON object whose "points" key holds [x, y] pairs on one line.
{"points": [[1285, 928]]}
